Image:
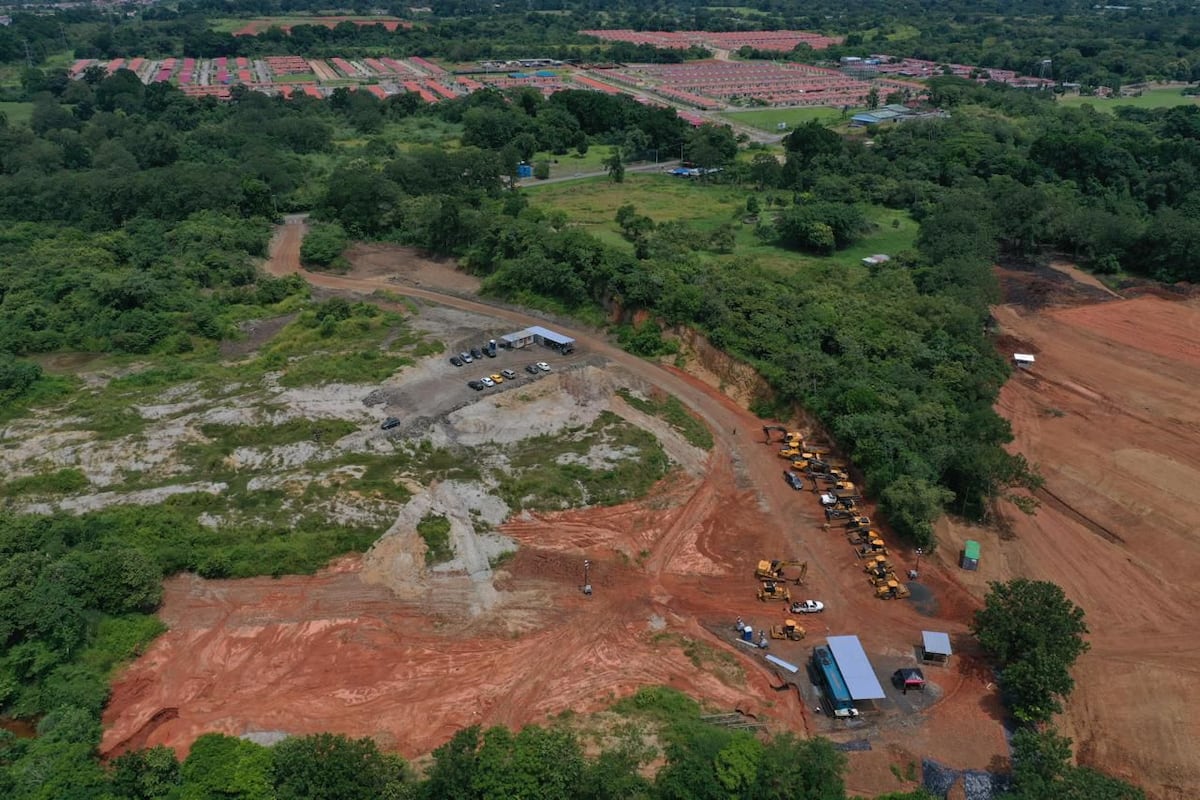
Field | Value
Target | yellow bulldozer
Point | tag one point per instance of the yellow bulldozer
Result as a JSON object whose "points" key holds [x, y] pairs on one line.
{"points": [[878, 565], [774, 571], [875, 547], [862, 536], [788, 630], [892, 590], [772, 590]]}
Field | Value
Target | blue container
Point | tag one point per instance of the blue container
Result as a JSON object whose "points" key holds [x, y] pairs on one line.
{"points": [[524, 170], [748, 635]]}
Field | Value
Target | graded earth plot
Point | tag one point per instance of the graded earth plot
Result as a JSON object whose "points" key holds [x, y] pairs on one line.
{"points": [[470, 608], [1109, 414]]}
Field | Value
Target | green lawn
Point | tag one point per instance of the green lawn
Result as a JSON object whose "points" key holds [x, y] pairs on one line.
{"points": [[17, 112], [591, 161], [1152, 98], [768, 119], [592, 204]]}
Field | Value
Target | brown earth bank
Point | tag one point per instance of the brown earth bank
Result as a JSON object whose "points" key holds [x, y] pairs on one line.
{"points": [[1110, 414], [332, 652]]}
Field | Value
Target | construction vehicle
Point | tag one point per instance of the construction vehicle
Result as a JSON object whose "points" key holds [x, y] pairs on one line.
{"points": [[774, 571], [788, 630], [771, 590], [873, 548], [857, 523], [791, 452], [862, 536], [768, 428], [877, 564], [892, 590]]}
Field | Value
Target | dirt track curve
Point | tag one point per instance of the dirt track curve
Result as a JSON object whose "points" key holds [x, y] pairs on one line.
{"points": [[329, 652]]}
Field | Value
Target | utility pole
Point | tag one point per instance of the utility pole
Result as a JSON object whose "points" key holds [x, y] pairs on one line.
{"points": [[587, 582]]}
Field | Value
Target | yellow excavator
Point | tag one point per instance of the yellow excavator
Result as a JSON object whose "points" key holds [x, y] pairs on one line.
{"points": [[793, 438], [774, 571], [788, 630], [771, 590]]}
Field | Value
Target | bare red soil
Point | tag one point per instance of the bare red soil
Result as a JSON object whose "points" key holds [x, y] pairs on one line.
{"points": [[1111, 415], [333, 653]]}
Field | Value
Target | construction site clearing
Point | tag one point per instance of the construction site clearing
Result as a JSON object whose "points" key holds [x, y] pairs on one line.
{"points": [[377, 645]]}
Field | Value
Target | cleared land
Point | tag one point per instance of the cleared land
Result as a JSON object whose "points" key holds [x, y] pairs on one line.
{"points": [[376, 645], [768, 119], [1152, 98], [17, 112], [592, 204], [1110, 416]]}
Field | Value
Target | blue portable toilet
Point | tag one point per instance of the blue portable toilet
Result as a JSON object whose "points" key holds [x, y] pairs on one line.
{"points": [[524, 170], [747, 634]]}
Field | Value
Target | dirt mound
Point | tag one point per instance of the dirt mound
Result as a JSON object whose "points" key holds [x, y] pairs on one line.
{"points": [[1109, 415]]}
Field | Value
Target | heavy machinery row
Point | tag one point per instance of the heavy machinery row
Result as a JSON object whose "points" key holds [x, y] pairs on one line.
{"points": [[842, 504]]}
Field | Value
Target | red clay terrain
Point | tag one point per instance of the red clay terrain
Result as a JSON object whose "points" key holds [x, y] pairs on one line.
{"points": [[1110, 413], [335, 652]]}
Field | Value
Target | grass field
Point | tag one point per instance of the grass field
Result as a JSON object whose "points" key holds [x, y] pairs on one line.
{"points": [[768, 119], [1153, 98], [17, 112], [592, 205], [572, 162]]}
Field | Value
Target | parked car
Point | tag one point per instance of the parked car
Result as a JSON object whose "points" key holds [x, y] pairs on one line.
{"points": [[532, 369], [808, 607], [543, 366], [476, 353], [466, 357], [456, 361], [497, 378], [488, 382], [793, 480], [908, 678], [476, 385], [489, 352], [389, 423], [509, 374]]}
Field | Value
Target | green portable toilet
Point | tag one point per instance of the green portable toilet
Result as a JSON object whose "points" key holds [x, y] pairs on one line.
{"points": [[970, 555]]}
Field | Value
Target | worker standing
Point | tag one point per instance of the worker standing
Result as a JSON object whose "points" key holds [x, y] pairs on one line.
{"points": [[739, 626]]}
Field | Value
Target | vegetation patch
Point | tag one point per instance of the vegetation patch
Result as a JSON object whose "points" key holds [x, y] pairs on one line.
{"points": [[552, 471], [435, 531], [703, 656], [675, 413], [227, 438], [63, 481]]}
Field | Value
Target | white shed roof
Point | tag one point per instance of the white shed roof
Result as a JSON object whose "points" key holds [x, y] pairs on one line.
{"points": [[936, 643]]}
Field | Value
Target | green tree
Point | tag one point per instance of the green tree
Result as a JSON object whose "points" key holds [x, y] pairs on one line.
{"points": [[146, 774], [615, 165], [711, 146], [327, 766], [1042, 770], [912, 505], [1035, 634], [323, 245]]}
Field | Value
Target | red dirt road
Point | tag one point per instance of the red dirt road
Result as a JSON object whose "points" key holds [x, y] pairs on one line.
{"points": [[1110, 413], [329, 652]]}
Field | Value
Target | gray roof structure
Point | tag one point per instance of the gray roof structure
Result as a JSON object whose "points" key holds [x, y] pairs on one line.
{"points": [[538, 331], [855, 668], [936, 643]]}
